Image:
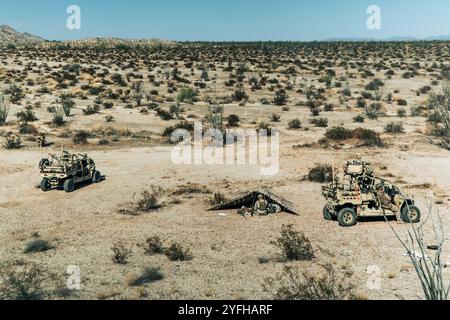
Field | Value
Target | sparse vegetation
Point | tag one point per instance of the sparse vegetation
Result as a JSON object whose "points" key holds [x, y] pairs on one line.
{"points": [[176, 252], [294, 244], [121, 253], [321, 173], [330, 284]]}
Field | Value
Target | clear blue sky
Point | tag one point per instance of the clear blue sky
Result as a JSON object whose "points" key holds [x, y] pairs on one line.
{"points": [[228, 19]]}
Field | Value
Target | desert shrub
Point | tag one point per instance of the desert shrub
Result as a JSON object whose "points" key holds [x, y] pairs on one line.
{"points": [[294, 245], [401, 113], [109, 118], [176, 110], [369, 137], [15, 92], [281, 97], [328, 107], [264, 129], [120, 253], [12, 141], [37, 245], [321, 173], [4, 109], [163, 114], [338, 133], [394, 127], [148, 201], [233, 120], [176, 252], [187, 95], [417, 111], [26, 115], [359, 118], [118, 79], [26, 128], [239, 95], [321, 122], [295, 124], [148, 275], [22, 281], [184, 125], [58, 117], [81, 137], [402, 102], [153, 245], [330, 284], [374, 85], [67, 104], [275, 118], [90, 110], [425, 89], [374, 110]]}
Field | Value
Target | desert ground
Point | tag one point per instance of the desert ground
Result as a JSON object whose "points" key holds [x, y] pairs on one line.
{"points": [[123, 98]]}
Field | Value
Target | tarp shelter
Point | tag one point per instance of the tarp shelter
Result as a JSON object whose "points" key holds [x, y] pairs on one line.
{"points": [[248, 200]]}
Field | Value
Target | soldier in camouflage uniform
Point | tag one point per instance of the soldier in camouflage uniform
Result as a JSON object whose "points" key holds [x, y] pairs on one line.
{"points": [[388, 203]]}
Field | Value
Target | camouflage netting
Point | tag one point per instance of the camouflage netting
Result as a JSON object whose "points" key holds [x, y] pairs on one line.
{"points": [[249, 199]]}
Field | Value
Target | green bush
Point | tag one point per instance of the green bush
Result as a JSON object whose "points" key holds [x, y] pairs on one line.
{"points": [[26, 115], [401, 113], [81, 137], [294, 245], [321, 173], [4, 109], [22, 281], [321, 122], [281, 98], [295, 124], [176, 252], [359, 118], [12, 141], [369, 137], [154, 245], [394, 127], [233, 120], [330, 285], [58, 117], [338, 133], [187, 95]]}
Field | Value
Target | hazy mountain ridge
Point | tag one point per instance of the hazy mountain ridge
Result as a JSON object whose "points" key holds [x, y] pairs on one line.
{"points": [[9, 36]]}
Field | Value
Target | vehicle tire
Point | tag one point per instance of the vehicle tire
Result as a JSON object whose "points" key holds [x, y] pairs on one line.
{"points": [[45, 185], [96, 177], [327, 214], [411, 214], [347, 217], [69, 185], [43, 163]]}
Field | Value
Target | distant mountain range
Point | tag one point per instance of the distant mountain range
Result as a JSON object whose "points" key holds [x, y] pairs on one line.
{"points": [[9, 36], [355, 39]]}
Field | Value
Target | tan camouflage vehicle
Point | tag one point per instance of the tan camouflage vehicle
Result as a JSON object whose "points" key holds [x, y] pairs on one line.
{"points": [[66, 171], [360, 194]]}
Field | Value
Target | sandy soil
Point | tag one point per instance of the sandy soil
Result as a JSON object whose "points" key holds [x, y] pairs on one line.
{"points": [[227, 248]]}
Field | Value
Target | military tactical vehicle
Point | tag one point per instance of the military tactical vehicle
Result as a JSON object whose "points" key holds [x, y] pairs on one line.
{"points": [[356, 196], [67, 170]]}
